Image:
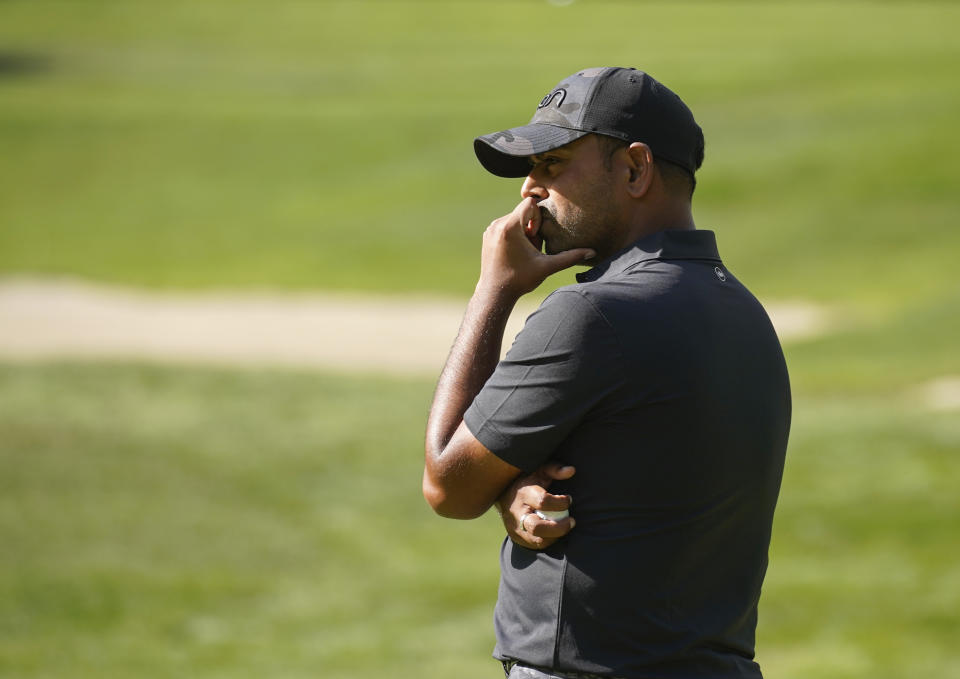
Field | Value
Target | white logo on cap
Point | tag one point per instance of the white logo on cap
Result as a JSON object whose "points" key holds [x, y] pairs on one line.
{"points": [[559, 95]]}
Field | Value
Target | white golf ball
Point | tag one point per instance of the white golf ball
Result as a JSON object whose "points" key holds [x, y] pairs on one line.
{"points": [[555, 516]]}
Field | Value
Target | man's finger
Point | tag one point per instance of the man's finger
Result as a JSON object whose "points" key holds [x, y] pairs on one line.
{"points": [[522, 226], [556, 471], [532, 495], [530, 217], [566, 259], [553, 503], [546, 528]]}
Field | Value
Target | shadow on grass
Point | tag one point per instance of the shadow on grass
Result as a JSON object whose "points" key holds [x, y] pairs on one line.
{"points": [[19, 64]]}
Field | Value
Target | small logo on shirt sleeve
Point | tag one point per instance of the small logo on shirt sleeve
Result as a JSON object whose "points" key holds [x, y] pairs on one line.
{"points": [[717, 270]]}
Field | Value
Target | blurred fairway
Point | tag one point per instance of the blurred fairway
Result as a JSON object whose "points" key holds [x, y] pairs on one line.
{"points": [[328, 144], [161, 522], [169, 523]]}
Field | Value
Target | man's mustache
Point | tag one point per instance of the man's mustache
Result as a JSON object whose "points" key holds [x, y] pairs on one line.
{"points": [[546, 211]]}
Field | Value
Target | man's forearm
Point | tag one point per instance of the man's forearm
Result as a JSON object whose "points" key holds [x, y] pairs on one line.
{"points": [[472, 359], [461, 477]]}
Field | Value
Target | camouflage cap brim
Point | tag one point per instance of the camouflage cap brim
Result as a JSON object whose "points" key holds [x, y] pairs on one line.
{"points": [[506, 153]]}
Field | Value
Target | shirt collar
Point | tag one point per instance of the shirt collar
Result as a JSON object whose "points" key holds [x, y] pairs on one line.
{"points": [[670, 244]]}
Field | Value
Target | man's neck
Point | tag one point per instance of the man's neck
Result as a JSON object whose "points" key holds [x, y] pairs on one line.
{"points": [[668, 218]]}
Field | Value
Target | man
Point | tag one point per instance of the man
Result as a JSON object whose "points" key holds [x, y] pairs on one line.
{"points": [[657, 376]]}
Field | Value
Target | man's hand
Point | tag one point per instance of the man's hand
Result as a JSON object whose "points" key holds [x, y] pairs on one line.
{"points": [[511, 261], [526, 495]]}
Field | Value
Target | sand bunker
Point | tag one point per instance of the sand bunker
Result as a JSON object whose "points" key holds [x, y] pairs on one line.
{"points": [[42, 320]]}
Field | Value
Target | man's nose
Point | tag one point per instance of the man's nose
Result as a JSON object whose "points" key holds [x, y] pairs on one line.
{"points": [[532, 188]]}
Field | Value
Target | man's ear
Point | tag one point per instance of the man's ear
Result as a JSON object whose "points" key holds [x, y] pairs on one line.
{"points": [[640, 165]]}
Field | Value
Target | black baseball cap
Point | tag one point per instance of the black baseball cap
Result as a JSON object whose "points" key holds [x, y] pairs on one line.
{"points": [[618, 102]]}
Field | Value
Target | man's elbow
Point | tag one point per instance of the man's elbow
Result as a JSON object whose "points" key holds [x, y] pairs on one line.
{"points": [[447, 505]]}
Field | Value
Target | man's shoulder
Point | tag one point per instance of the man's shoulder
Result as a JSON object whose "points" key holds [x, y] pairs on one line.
{"points": [[569, 318], [592, 297], [562, 307], [573, 304], [589, 293]]}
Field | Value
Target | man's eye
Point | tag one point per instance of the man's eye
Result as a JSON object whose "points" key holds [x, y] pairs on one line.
{"points": [[545, 163]]}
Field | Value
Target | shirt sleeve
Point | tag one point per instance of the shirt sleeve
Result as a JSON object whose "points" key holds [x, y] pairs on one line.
{"points": [[561, 365]]}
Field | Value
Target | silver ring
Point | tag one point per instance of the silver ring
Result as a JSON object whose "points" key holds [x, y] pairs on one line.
{"points": [[523, 528]]}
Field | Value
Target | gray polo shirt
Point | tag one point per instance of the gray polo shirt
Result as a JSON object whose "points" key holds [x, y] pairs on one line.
{"points": [[660, 377]]}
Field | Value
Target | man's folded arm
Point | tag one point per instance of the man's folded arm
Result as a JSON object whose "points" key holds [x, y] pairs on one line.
{"points": [[461, 477], [464, 479]]}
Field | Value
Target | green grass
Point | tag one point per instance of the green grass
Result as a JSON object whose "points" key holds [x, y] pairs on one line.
{"points": [[177, 523], [328, 144], [896, 350], [862, 580], [162, 522]]}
